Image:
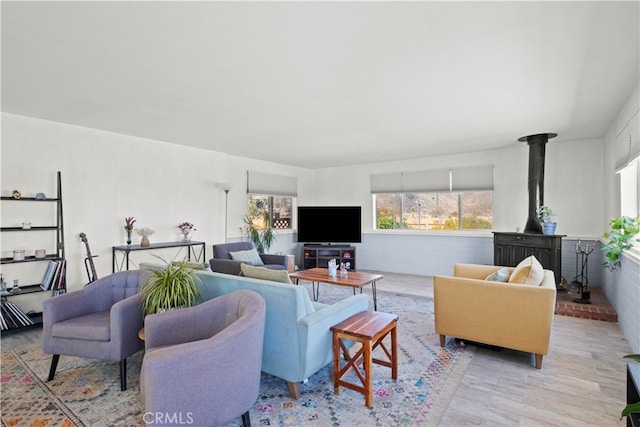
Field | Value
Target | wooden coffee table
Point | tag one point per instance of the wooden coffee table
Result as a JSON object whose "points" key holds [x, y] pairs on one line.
{"points": [[352, 279]]}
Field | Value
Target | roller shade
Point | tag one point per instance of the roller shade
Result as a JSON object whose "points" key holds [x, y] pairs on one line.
{"points": [[476, 178], [627, 143], [277, 185], [386, 183]]}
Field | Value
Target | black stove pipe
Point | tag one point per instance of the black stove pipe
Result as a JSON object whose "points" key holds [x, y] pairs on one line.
{"points": [[536, 178]]}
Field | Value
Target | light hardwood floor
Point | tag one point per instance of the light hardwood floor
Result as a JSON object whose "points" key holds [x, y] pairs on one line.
{"points": [[581, 383]]}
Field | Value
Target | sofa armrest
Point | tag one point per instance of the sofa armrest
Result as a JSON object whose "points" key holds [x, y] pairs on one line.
{"points": [[127, 318], [314, 330], [226, 266], [288, 261]]}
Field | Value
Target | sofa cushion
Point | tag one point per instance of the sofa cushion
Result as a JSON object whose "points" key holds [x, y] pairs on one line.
{"points": [[500, 275], [91, 327], [281, 276], [528, 272], [250, 256]]}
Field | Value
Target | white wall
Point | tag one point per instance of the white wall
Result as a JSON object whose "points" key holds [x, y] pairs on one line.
{"points": [[622, 287], [573, 188], [107, 177]]}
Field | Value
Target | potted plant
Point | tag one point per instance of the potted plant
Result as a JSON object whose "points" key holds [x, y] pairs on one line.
{"points": [[622, 231], [545, 214], [631, 408], [259, 229], [175, 286]]}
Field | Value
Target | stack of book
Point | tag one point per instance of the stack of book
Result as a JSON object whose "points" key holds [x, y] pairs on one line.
{"points": [[12, 316], [53, 278]]}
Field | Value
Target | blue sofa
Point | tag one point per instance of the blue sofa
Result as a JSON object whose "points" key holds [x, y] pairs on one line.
{"points": [[297, 337]]}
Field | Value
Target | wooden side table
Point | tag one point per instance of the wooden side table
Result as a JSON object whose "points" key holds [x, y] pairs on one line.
{"points": [[369, 328]]}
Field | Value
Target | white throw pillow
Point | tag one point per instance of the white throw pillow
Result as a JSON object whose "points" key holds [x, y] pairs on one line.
{"points": [[250, 256], [528, 272]]}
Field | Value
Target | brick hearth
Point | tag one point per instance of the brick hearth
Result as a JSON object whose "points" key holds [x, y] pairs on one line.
{"points": [[599, 309]]}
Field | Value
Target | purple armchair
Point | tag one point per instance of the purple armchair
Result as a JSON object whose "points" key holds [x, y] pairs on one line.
{"points": [[202, 364], [101, 321]]}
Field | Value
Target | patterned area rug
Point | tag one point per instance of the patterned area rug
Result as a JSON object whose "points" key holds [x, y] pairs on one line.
{"points": [[86, 392]]}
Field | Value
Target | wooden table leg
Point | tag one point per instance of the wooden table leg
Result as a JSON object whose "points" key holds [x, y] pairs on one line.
{"points": [[336, 363], [368, 375], [394, 352]]}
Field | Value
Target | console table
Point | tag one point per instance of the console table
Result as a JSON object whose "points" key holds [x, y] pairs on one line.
{"points": [[511, 248], [193, 247]]}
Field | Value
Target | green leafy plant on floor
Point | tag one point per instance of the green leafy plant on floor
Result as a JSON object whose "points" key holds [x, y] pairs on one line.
{"points": [[259, 228], [623, 229], [174, 286], [631, 408]]}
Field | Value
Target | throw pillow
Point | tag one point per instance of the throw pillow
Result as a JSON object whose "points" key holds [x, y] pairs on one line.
{"points": [[192, 265], [500, 275], [250, 256], [281, 276], [528, 272]]}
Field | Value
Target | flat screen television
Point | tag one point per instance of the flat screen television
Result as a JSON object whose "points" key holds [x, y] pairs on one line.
{"points": [[329, 224]]}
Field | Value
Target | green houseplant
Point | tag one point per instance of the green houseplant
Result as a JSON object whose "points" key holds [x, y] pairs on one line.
{"points": [[631, 408], [620, 238], [259, 228], [545, 214], [174, 286]]}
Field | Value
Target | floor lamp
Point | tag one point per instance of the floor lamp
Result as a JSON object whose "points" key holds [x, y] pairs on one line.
{"points": [[226, 205]]}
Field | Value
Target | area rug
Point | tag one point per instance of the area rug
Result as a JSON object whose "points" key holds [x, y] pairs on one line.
{"points": [[86, 392]]}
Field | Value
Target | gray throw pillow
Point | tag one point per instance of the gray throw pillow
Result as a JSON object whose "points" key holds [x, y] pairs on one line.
{"points": [[250, 256], [501, 275], [281, 276]]}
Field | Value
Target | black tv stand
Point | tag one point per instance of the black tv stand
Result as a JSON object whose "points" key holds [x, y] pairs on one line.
{"points": [[318, 255], [333, 245]]}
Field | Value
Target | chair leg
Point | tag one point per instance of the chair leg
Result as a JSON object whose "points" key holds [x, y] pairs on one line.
{"points": [[54, 366], [246, 420], [123, 374]]}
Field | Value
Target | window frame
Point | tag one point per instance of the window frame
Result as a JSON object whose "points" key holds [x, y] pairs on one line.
{"points": [[270, 203], [398, 212]]}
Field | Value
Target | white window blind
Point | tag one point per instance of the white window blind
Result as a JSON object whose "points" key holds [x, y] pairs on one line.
{"points": [[427, 181], [266, 183], [627, 143], [478, 178], [475, 178]]}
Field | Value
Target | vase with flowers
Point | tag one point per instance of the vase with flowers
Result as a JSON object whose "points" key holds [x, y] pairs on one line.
{"points": [[186, 228], [128, 227], [145, 232]]}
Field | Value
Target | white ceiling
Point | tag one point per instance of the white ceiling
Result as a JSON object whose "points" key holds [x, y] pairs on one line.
{"points": [[319, 84]]}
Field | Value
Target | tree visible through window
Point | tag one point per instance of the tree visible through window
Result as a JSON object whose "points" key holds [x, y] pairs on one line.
{"points": [[435, 211], [278, 207]]}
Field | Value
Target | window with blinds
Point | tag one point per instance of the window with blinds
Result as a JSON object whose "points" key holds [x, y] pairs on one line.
{"points": [[439, 199]]}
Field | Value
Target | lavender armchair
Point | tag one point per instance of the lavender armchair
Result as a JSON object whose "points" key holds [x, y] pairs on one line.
{"points": [[202, 364], [101, 321]]}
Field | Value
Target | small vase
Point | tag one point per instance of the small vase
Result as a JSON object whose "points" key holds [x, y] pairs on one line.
{"points": [[144, 242], [128, 237], [186, 237], [549, 228]]}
